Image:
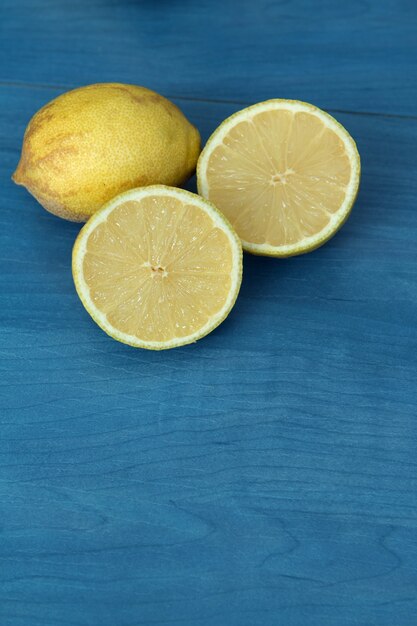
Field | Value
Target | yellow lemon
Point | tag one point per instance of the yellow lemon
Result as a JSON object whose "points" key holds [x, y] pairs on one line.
{"points": [[285, 173], [157, 267], [92, 143]]}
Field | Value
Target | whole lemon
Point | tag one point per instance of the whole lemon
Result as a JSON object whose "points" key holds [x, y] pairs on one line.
{"points": [[90, 144]]}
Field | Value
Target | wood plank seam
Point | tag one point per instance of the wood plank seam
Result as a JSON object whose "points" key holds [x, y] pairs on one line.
{"points": [[244, 103]]}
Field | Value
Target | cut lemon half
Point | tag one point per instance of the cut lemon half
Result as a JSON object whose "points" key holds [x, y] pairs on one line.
{"points": [[157, 267], [285, 174]]}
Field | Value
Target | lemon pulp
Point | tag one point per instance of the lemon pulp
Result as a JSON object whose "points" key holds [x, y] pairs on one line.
{"points": [[284, 173], [157, 267]]}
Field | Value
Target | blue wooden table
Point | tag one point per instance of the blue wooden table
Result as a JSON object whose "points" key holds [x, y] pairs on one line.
{"points": [[267, 475]]}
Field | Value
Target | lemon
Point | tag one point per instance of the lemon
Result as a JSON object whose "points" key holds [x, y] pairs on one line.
{"points": [[157, 267], [284, 172], [92, 143]]}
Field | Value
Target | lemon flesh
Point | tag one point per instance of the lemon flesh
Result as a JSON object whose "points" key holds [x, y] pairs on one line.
{"points": [[285, 173], [92, 143], [157, 267]]}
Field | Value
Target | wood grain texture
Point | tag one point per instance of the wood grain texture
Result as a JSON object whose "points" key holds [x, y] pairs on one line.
{"points": [[266, 475], [358, 56]]}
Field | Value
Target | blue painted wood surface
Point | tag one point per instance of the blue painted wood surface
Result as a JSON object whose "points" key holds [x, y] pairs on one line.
{"points": [[265, 476]]}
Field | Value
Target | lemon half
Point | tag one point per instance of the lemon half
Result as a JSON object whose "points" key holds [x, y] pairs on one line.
{"points": [[285, 174], [157, 267]]}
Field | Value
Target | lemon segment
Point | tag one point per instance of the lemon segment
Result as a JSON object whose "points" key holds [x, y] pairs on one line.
{"points": [[285, 174], [157, 267]]}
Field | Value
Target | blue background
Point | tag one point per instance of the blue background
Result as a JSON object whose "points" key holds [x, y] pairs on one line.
{"points": [[266, 475]]}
